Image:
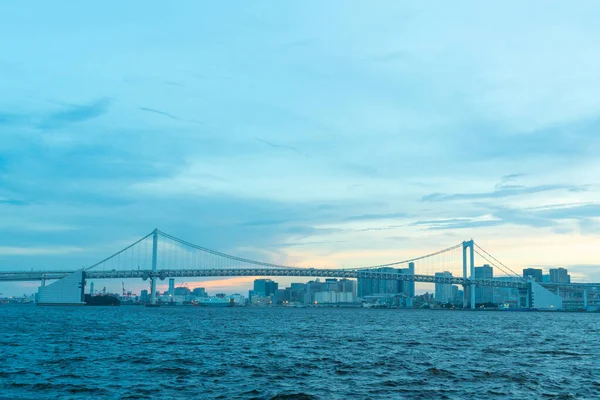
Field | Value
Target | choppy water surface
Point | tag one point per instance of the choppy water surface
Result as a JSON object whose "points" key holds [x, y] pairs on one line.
{"points": [[191, 352]]}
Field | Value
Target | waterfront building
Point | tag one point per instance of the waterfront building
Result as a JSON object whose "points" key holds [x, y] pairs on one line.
{"points": [[559, 275], [199, 292], [265, 287], [144, 297], [457, 295], [505, 295], [443, 291], [533, 273], [543, 299], [408, 287], [374, 286], [484, 294], [347, 286], [259, 300], [297, 292], [171, 291], [334, 297], [182, 291]]}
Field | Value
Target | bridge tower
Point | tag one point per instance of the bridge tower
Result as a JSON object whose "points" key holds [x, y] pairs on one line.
{"points": [[469, 290], [153, 275]]}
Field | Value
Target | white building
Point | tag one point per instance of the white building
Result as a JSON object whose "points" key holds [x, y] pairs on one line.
{"points": [[66, 291]]}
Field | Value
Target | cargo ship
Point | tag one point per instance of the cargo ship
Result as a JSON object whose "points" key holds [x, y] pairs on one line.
{"points": [[101, 300]]}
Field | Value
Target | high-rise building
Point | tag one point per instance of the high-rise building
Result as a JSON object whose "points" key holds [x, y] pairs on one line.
{"points": [[372, 286], [144, 298], [297, 292], [387, 286], [533, 273], [443, 291], [199, 292], [171, 291], [365, 286], [484, 294], [559, 275], [456, 294], [265, 287], [347, 286], [331, 285], [407, 287]]}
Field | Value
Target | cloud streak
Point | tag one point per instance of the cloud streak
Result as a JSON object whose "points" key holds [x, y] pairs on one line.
{"points": [[500, 193], [278, 146], [75, 114]]}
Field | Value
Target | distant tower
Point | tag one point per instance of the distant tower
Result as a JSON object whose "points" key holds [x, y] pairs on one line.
{"points": [[172, 287], [92, 288]]}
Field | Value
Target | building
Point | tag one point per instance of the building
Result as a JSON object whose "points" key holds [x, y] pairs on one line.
{"points": [[66, 291], [457, 295], [443, 291], [265, 287], [543, 299], [199, 292], [347, 286], [374, 286], [484, 294], [533, 273], [408, 287], [559, 275], [171, 291], [334, 297], [182, 291], [506, 295], [144, 297]]}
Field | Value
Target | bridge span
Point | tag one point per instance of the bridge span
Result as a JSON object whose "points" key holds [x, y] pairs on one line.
{"points": [[299, 272], [152, 259]]}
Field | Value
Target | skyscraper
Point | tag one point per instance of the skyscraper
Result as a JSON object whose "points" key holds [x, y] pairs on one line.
{"points": [[534, 273], [371, 286], [265, 287], [559, 275], [484, 294], [171, 287], [443, 291]]}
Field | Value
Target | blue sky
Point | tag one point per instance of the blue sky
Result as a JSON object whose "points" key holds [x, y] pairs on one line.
{"points": [[340, 133]]}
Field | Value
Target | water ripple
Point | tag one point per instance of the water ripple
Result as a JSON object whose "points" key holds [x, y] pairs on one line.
{"points": [[281, 353]]}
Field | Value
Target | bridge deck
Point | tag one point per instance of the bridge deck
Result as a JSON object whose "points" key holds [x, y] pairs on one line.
{"points": [[300, 272]]}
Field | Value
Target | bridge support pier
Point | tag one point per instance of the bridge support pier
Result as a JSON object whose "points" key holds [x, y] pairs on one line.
{"points": [[153, 290], [153, 278], [469, 295]]}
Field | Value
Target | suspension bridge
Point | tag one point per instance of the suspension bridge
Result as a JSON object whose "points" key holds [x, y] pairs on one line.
{"points": [[158, 256]]}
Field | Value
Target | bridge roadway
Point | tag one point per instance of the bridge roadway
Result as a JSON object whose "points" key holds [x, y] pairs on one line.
{"points": [[226, 272]]}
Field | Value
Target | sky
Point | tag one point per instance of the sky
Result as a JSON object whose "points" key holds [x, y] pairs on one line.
{"points": [[338, 133]]}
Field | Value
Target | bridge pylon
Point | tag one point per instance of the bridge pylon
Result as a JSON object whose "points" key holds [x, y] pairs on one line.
{"points": [[153, 275], [469, 290]]}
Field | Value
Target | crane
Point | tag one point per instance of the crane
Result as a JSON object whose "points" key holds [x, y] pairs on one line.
{"points": [[126, 293]]}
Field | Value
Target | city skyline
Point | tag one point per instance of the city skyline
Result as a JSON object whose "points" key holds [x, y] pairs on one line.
{"points": [[307, 141]]}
